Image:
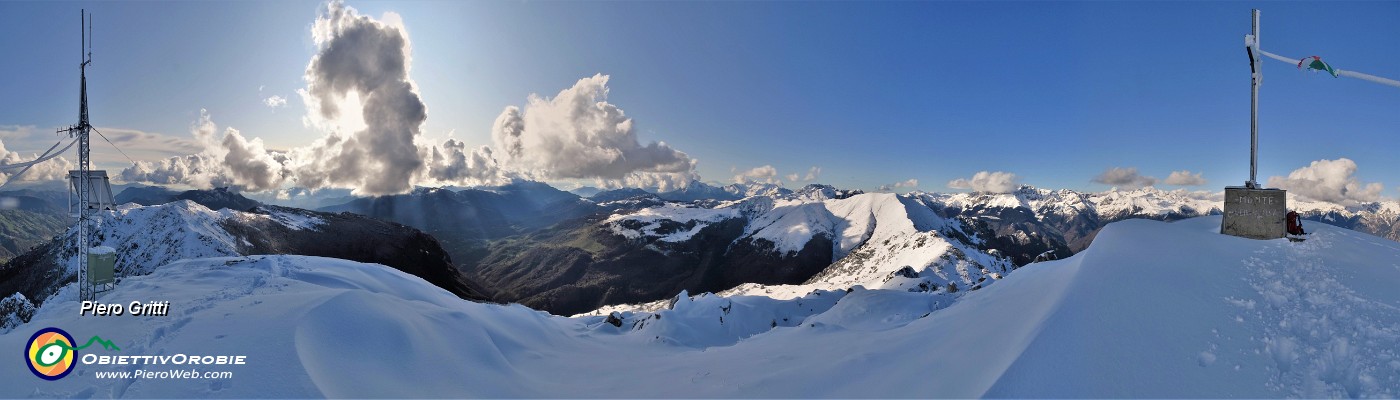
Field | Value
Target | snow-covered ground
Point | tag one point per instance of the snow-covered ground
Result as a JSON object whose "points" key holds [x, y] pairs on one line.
{"points": [[1151, 309]]}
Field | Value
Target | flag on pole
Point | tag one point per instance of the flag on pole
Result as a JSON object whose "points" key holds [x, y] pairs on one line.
{"points": [[1315, 63]]}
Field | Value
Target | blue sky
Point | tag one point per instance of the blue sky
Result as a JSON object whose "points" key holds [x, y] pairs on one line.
{"points": [[871, 92]]}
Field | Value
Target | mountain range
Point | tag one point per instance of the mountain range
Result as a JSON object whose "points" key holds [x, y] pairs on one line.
{"points": [[530, 243]]}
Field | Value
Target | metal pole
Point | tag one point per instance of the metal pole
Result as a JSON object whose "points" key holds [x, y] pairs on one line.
{"points": [[1255, 80]]}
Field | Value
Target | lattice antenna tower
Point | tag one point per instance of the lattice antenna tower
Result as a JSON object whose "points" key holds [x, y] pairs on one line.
{"points": [[80, 180]]}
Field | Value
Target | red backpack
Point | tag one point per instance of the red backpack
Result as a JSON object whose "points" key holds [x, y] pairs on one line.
{"points": [[1295, 225]]}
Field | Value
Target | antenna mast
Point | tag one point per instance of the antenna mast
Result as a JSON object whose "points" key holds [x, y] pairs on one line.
{"points": [[80, 179]]}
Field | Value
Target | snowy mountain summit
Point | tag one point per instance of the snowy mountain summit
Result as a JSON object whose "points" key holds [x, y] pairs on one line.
{"points": [[1152, 309]]}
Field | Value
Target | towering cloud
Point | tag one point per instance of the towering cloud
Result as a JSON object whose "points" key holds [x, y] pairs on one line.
{"points": [[366, 60], [988, 181], [1329, 180], [358, 92]]}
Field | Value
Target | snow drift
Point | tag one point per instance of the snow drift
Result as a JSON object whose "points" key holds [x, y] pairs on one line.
{"points": [[1152, 309]]}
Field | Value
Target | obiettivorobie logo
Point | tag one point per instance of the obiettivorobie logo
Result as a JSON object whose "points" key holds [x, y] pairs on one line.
{"points": [[51, 353]]}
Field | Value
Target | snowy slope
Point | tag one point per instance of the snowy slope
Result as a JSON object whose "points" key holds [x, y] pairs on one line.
{"points": [[881, 233], [1155, 310], [1152, 309]]}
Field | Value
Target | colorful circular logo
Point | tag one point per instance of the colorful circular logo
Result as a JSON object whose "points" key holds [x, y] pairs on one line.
{"points": [[50, 354]]}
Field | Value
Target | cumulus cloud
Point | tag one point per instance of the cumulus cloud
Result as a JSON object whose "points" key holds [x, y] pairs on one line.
{"points": [[988, 181], [1127, 178], [1185, 178], [225, 160], [1329, 180], [250, 165], [910, 183], [577, 134], [764, 174], [194, 169], [275, 101]]}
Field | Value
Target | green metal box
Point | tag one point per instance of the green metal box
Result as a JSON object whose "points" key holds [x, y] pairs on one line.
{"points": [[102, 264]]}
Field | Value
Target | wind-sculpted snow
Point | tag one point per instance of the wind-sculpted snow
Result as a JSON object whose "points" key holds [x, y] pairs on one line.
{"points": [[1152, 309]]}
